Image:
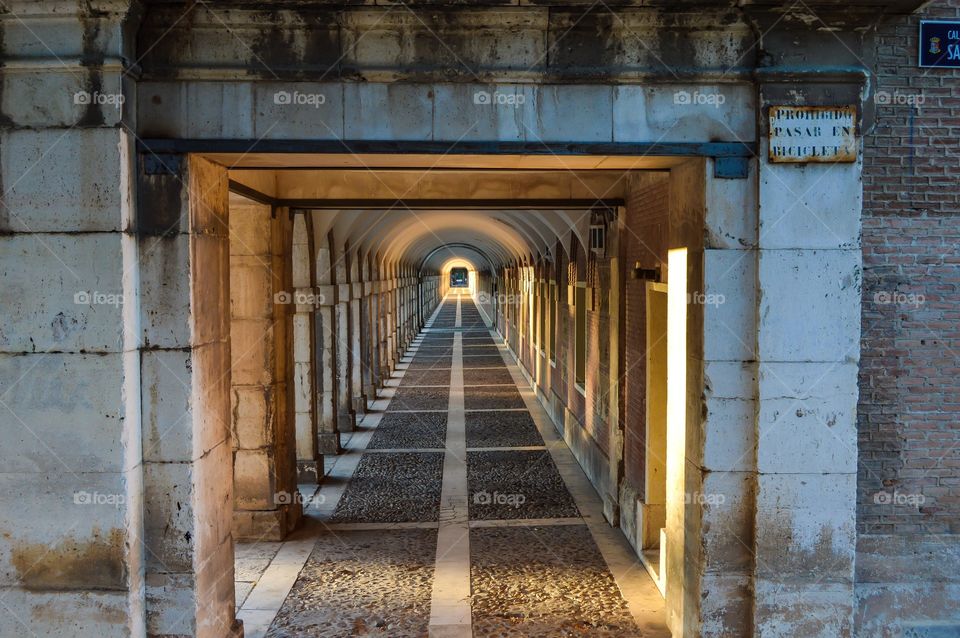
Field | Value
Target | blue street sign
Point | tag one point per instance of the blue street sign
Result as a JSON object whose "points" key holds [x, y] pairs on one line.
{"points": [[939, 44]]}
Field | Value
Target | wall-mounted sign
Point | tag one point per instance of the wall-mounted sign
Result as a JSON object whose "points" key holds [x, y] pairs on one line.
{"points": [[801, 134], [939, 43]]}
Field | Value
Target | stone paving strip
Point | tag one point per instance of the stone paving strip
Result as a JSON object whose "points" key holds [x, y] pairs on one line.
{"points": [[450, 607], [501, 429], [361, 584], [527, 522], [544, 582]]}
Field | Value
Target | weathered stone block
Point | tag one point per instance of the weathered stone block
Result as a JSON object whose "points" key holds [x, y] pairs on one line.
{"points": [[810, 206], [65, 293], [165, 291], [484, 112], [68, 411], [65, 180], [66, 531], [807, 420], [807, 528], [254, 482], [287, 110], [731, 216], [729, 435], [254, 409], [684, 113], [809, 305], [252, 346], [729, 305], [571, 113], [388, 111]]}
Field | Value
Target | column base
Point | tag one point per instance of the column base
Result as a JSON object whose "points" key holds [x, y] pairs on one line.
{"points": [[329, 443], [266, 525], [346, 423], [359, 406], [310, 471]]}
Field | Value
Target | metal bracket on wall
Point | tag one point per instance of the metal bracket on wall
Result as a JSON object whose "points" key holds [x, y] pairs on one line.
{"points": [[731, 167]]}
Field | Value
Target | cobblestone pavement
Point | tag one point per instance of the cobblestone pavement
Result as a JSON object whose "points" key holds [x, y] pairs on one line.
{"points": [[519, 560], [373, 583]]}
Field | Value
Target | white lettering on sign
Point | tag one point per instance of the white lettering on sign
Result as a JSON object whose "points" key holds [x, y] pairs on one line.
{"points": [[813, 134]]}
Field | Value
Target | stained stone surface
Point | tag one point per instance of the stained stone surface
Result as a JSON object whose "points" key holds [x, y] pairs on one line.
{"points": [[407, 398], [544, 582], [399, 430], [516, 484], [390, 488], [371, 583], [501, 429], [487, 376], [496, 397], [426, 377]]}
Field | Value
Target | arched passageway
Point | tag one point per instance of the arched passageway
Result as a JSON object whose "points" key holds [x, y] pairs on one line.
{"points": [[446, 371]]}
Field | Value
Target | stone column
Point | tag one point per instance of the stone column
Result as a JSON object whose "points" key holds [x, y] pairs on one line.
{"points": [[809, 274], [182, 227], [71, 487], [328, 433], [355, 349], [343, 317], [309, 458], [265, 506]]}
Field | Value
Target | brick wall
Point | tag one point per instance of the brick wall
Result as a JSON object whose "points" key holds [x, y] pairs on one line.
{"points": [[646, 214], [910, 367]]}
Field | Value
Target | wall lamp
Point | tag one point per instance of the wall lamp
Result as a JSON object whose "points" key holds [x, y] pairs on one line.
{"points": [[647, 274]]}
